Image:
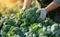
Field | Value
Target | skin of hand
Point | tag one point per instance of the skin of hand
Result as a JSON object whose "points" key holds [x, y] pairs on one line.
{"points": [[53, 5], [26, 4]]}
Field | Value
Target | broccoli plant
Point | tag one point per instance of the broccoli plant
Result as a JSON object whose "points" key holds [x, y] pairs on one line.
{"points": [[30, 15]]}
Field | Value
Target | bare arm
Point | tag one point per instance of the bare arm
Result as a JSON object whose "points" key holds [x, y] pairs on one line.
{"points": [[43, 11], [52, 6], [26, 4], [38, 5]]}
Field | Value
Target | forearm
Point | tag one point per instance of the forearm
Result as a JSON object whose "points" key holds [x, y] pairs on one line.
{"points": [[38, 5], [52, 6], [27, 3]]}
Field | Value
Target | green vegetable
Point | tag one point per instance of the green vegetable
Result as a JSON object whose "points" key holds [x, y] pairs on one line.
{"points": [[14, 30], [6, 28], [30, 15]]}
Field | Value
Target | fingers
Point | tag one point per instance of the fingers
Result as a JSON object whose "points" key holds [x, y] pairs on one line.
{"points": [[39, 19], [21, 11], [42, 14]]}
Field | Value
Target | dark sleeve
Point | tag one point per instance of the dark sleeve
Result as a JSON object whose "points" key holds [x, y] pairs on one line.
{"points": [[57, 1]]}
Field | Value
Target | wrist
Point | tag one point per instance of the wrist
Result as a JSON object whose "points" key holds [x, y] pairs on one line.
{"points": [[43, 10], [46, 10]]}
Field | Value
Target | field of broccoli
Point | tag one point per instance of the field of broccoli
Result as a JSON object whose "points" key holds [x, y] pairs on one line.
{"points": [[14, 24]]}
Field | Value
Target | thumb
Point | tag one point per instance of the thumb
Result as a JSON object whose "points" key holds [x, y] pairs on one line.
{"points": [[38, 11]]}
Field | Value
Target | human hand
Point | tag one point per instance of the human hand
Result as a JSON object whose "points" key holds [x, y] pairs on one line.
{"points": [[23, 9], [43, 13]]}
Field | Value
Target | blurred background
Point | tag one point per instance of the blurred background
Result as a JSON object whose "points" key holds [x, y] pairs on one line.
{"points": [[10, 5]]}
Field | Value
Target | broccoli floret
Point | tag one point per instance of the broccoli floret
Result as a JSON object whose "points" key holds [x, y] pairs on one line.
{"points": [[30, 15]]}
